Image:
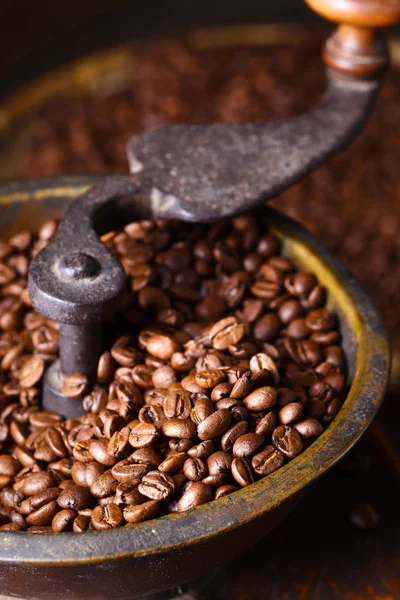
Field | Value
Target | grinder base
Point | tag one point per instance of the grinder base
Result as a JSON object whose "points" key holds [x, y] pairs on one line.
{"points": [[197, 590]]}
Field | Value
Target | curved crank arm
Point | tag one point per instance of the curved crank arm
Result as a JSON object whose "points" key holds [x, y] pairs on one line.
{"points": [[208, 172]]}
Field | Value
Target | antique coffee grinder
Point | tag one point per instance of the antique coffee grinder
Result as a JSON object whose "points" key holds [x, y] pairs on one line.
{"points": [[200, 173]]}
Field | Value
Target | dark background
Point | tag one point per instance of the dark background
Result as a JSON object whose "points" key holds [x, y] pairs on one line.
{"points": [[36, 36]]}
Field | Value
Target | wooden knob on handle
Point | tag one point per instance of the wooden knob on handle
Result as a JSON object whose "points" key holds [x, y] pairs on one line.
{"points": [[357, 48]]}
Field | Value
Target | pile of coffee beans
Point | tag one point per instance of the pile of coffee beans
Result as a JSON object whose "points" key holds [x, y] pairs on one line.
{"points": [[225, 365], [353, 208]]}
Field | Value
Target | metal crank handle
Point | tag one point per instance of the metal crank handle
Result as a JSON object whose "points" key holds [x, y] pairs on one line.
{"points": [[203, 172]]}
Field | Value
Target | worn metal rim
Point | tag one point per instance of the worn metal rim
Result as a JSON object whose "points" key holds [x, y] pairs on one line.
{"points": [[175, 532]]}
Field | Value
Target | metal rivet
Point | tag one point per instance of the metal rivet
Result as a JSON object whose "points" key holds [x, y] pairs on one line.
{"points": [[78, 265]]}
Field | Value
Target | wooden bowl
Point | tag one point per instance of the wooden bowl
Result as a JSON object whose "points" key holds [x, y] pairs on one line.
{"points": [[158, 554]]}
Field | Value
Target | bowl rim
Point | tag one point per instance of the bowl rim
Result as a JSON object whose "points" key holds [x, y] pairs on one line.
{"points": [[181, 531]]}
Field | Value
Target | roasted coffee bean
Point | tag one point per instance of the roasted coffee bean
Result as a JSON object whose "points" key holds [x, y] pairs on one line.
{"points": [[63, 520], [38, 500], [31, 372], [180, 428], [162, 346], [267, 461], [81, 451], [75, 498], [195, 469], [215, 425], [230, 436], [222, 390], [106, 517], [105, 368], [242, 472], [117, 446], [226, 332], [157, 486], [142, 377], [308, 428], [219, 462], [98, 450], [164, 377], [124, 470], [43, 515], [267, 424], [242, 386], [287, 440], [143, 512], [128, 393], [262, 398], [182, 362], [173, 464], [198, 493], [224, 490], [210, 378], [180, 445], [337, 381], [18, 433], [177, 405], [124, 354], [260, 362], [66, 483], [146, 456], [267, 328], [202, 450], [35, 483], [203, 408], [104, 486], [364, 516], [81, 524], [320, 320], [247, 445], [127, 492], [57, 441], [152, 414], [9, 466], [290, 413], [44, 418], [75, 386], [142, 435], [189, 384]]}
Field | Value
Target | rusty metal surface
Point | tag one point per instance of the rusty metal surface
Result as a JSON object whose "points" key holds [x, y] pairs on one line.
{"points": [[156, 555]]}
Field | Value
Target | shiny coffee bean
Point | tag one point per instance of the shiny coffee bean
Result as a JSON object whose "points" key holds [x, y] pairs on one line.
{"points": [[75, 498], [215, 425], [242, 472], [63, 520], [202, 450], [247, 445], [287, 440], [180, 428], [195, 469], [198, 493], [142, 512], [107, 517], [262, 398], [267, 461]]}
